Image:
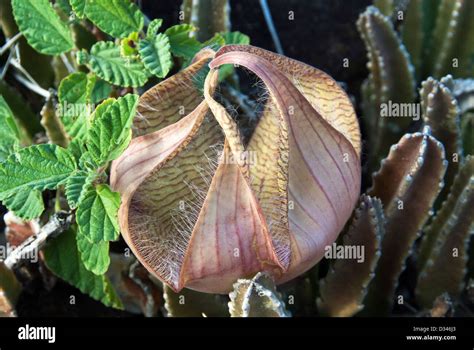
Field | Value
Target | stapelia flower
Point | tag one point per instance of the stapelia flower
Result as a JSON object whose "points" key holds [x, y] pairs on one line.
{"points": [[201, 209]]}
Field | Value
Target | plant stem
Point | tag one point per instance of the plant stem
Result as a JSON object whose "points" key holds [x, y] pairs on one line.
{"points": [[56, 225], [10, 43], [271, 27], [53, 126], [209, 16]]}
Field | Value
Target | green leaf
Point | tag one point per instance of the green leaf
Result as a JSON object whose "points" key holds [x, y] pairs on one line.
{"points": [[100, 91], [42, 27], [9, 131], [115, 17], [77, 149], [74, 95], [97, 214], [37, 167], [63, 259], [26, 204], [77, 186], [156, 56], [153, 27], [182, 45], [235, 38], [94, 255], [78, 6], [101, 109], [215, 43], [105, 61], [110, 131], [74, 89]]}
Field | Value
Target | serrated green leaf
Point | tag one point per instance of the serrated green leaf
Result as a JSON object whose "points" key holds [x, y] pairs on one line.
{"points": [[105, 61], [101, 91], [235, 38], [77, 186], [42, 27], [97, 214], [9, 131], [153, 27], [94, 255], [87, 163], [63, 259], [156, 56], [74, 96], [110, 130], [37, 167], [77, 149], [74, 88], [78, 7], [26, 204], [101, 109], [115, 17], [181, 44]]}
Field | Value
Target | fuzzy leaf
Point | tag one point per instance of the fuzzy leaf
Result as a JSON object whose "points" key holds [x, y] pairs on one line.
{"points": [[9, 132], [63, 259], [26, 204], [343, 289], [75, 88], [77, 186], [156, 56], [407, 184], [74, 94], [189, 303], [37, 167], [78, 6], [110, 131], [105, 61], [443, 253], [42, 27], [117, 18], [100, 91], [181, 44], [153, 27], [94, 255], [97, 214], [257, 297]]}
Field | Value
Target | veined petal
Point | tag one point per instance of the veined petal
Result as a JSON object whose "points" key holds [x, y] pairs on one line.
{"points": [[323, 155], [173, 98], [230, 238], [163, 176]]}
